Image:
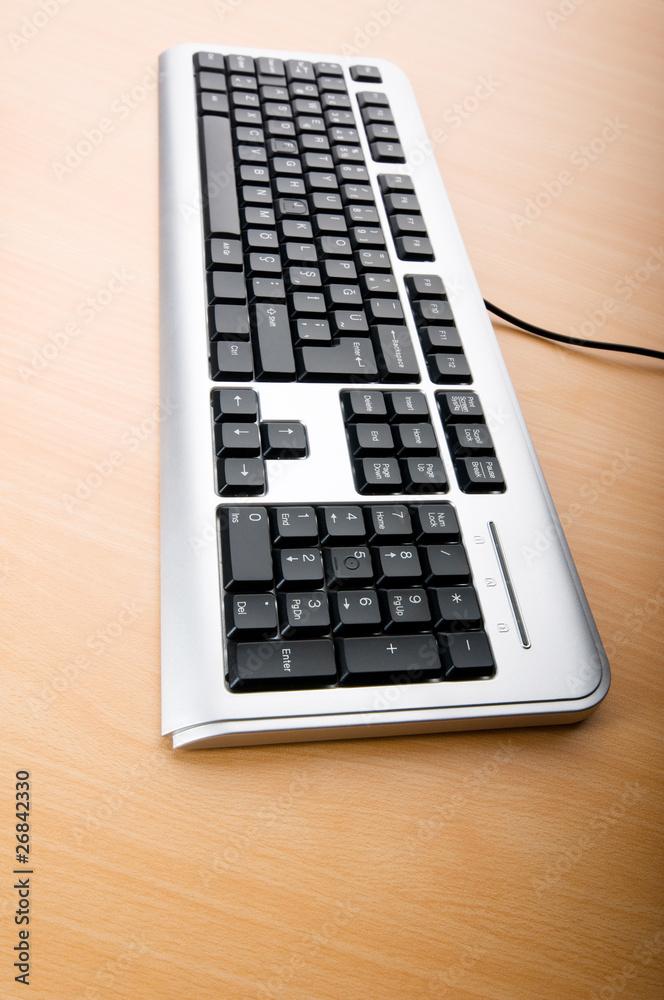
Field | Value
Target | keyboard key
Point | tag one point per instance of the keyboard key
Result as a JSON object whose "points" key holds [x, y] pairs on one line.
{"points": [[231, 360], [304, 613], [436, 521], [470, 439], [294, 524], [371, 439], [397, 357], [369, 73], [398, 659], [246, 552], [480, 475], [445, 563], [406, 609], [425, 475], [235, 439], [397, 562], [284, 440], [348, 566], [459, 406], [451, 368], [414, 248], [355, 611], [260, 666], [396, 182], [378, 475], [241, 477], [349, 358], [416, 439], [234, 404], [456, 608], [407, 406], [249, 615], [274, 348], [390, 521], [359, 404], [299, 567], [342, 524], [466, 656]]}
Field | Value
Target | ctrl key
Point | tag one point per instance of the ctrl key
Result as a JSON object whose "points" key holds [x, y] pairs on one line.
{"points": [[268, 666]]}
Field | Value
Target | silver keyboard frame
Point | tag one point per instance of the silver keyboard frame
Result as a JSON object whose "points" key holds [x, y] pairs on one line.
{"points": [[555, 672]]}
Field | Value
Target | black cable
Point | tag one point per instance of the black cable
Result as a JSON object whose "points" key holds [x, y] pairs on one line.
{"points": [[578, 341]]}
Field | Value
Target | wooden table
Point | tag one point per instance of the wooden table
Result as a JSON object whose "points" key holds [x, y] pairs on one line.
{"points": [[506, 865]]}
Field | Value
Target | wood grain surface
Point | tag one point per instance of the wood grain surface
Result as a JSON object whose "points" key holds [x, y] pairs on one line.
{"points": [[503, 865]]}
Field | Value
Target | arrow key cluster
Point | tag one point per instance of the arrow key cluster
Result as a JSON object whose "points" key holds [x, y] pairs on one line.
{"points": [[242, 443]]}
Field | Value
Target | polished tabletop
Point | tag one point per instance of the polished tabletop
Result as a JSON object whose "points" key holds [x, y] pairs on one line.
{"points": [[509, 865]]}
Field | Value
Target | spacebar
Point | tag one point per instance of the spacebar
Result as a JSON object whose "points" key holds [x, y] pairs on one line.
{"points": [[219, 195], [349, 358]]}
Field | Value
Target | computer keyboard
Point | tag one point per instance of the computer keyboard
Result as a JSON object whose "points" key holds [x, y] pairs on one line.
{"points": [[357, 538]]}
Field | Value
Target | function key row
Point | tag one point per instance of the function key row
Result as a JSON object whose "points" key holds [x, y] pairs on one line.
{"points": [[406, 221], [437, 331]]}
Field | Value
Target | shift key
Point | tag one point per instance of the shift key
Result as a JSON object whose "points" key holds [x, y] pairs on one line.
{"points": [[245, 548]]}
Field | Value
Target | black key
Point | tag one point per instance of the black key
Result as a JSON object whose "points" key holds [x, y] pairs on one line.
{"points": [[367, 236], [339, 295], [348, 566], [378, 475], [343, 270], [345, 136], [396, 182], [407, 406], [338, 115], [425, 475], [245, 546], [237, 439], [299, 70], [440, 338], [299, 567], [304, 107], [372, 97], [259, 238], [227, 286], [294, 524], [257, 216], [212, 81], [378, 284], [371, 114], [452, 368], [209, 60], [274, 348], [296, 253], [331, 84], [240, 64], [240, 82], [371, 439], [335, 246], [284, 440], [262, 666], [369, 73], [397, 562], [348, 154], [317, 330], [352, 172], [264, 263], [356, 611], [456, 608], [303, 277], [382, 659], [291, 206], [247, 116], [352, 358], [279, 147], [270, 289], [466, 657], [385, 311], [433, 311], [244, 99], [328, 69], [405, 203], [367, 214], [388, 152], [213, 104], [308, 304], [309, 123], [221, 208], [325, 223], [241, 477], [407, 608], [422, 286], [280, 128], [414, 248], [445, 563], [232, 360], [458, 407], [390, 521], [354, 193], [341, 524], [229, 322], [397, 357], [271, 93], [377, 132], [416, 439], [308, 90], [296, 229], [268, 66], [436, 522], [373, 260], [304, 613], [470, 439], [359, 404], [322, 182], [251, 154], [256, 195], [405, 225], [335, 102], [249, 615], [234, 404], [313, 142], [480, 475], [318, 161], [254, 175], [351, 322], [274, 110]]}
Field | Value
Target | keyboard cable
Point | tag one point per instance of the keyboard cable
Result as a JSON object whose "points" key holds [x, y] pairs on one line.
{"points": [[577, 341]]}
